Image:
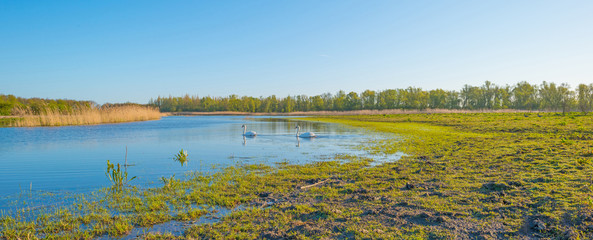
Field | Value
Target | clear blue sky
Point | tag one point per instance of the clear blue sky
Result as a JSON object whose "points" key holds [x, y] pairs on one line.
{"points": [[118, 51]]}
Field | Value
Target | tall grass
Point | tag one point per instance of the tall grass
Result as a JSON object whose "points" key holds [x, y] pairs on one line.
{"points": [[118, 178], [90, 116]]}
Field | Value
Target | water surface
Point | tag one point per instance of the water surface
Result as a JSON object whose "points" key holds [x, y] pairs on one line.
{"points": [[73, 158]]}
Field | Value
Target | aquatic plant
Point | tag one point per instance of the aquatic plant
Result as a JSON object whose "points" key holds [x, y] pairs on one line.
{"points": [[169, 183], [118, 178], [181, 157]]}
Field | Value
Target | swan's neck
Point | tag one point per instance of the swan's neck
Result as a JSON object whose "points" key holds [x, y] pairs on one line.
{"points": [[244, 129], [298, 130]]}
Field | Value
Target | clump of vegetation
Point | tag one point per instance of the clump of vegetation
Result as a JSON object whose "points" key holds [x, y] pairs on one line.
{"points": [[181, 157], [117, 176], [170, 183]]}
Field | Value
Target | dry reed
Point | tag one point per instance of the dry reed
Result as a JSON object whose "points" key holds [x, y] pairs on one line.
{"points": [[91, 116]]}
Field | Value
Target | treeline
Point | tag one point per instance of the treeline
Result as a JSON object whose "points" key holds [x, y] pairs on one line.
{"points": [[521, 96]]}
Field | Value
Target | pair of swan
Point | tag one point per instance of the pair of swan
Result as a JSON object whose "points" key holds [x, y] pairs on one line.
{"points": [[298, 128]]}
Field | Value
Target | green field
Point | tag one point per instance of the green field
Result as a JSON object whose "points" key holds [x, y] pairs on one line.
{"points": [[476, 176]]}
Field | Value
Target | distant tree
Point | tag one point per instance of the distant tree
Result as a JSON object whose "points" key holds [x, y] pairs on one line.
{"points": [[566, 97], [453, 100], [437, 99], [472, 97], [416, 98], [388, 99], [303, 103], [488, 93], [353, 102], [5, 108], [317, 103], [465, 96], [328, 101], [585, 97], [369, 100], [340, 101], [551, 97], [287, 105], [524, 96]]}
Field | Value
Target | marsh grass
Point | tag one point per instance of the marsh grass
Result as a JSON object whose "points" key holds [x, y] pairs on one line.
{"points": [[87, 116], [118, 177]]}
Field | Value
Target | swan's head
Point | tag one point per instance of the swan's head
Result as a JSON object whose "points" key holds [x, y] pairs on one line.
{"points": [[243, 126], [297, 126]]}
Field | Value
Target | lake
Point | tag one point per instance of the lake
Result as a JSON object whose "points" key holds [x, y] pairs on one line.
{"points": [[72, 159]]}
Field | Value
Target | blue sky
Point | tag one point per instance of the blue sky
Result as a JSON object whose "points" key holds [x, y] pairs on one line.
{"points": [[119, 51]]}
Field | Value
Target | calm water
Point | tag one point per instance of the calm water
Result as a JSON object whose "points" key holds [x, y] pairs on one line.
{"points": [[73, 159]]}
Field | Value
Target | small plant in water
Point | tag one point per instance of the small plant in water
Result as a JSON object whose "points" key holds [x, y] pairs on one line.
{"points": [[117, 177], [181, 157], [170, 182]]}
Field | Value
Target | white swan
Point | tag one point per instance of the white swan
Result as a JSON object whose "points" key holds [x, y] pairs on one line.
{"points": [[248, 134], [304, 135]]}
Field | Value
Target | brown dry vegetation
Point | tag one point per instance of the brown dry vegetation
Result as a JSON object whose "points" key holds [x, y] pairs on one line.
{"points": [[114, 114]]}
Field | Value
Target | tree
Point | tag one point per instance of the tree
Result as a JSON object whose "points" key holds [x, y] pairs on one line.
{"points": [[472, 97], [353, 102], [453, 101], [368, 99], [566, 97], [502, 97], [585, 97], [488, 93], [551, 97], [340, 101], [416, 98], [437, 99], [524, 96], [317, 103], [287, 104]]}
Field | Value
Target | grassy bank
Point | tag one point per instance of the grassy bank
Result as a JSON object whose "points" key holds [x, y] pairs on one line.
{"points": [[84, 116], [465, 176]]}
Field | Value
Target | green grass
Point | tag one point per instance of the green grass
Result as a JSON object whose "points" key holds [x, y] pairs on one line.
{"points": [[118, 177], [476, 176]]}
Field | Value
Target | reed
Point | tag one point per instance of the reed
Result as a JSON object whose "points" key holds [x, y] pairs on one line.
{"points": [[118, 178], [88, 116]]}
